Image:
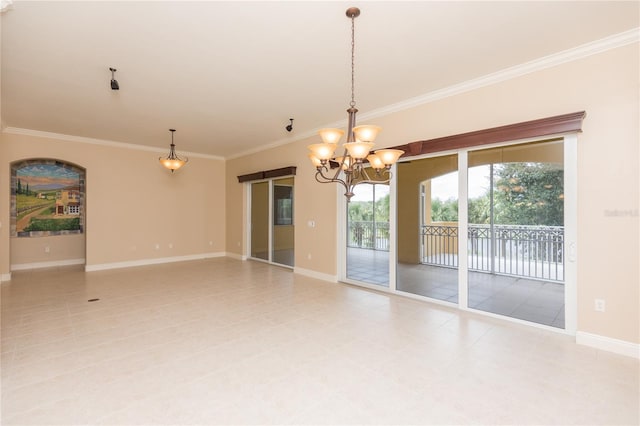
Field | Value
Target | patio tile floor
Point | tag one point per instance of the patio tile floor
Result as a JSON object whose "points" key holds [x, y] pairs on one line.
{"points": [[537, 301]]}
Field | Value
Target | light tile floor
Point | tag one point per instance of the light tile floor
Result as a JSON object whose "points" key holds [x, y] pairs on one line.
{"points": [[530, 300], [222, 341]]}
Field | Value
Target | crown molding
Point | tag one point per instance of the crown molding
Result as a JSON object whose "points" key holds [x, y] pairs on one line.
{"points": [[274, 144], [555, 59], [569, 55], [102, 142]]}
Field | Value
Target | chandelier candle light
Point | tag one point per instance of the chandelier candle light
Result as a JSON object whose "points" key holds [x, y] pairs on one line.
{"points": [[351, 167], [173, 162]]}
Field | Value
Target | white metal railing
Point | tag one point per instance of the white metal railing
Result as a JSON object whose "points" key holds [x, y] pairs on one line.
{"points": [[368, 234], [518, 250]]}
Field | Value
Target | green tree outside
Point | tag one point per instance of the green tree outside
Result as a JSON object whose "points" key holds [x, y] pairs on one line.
{"points": [[524, 194], [529, 194]]}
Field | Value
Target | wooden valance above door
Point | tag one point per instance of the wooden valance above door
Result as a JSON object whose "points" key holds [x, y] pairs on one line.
{"points": [[268, 174], [557, 125]]}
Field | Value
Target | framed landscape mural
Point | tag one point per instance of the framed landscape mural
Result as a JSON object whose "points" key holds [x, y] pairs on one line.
{"points": [[47, 198]]}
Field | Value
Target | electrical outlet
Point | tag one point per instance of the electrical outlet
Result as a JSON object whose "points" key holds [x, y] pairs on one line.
{"points": [[47, 249], [309, 256], [157, 246], [600, 305], [170, 245]]}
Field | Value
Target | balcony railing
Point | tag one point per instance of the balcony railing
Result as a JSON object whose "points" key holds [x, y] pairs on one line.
{"points": [[368, 234], [517, 250]]}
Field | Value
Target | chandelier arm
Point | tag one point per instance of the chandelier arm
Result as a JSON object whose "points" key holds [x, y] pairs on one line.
{"points": [[321, 178], [384, 177], [339, 170], [320, 171]]}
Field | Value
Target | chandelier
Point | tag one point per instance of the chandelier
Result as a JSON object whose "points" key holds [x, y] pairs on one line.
{"points": [[351, 168], [173, 162]]}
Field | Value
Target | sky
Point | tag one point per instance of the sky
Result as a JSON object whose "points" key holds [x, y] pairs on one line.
{"points": [[442, 187], [446, 186], [47, 175]]}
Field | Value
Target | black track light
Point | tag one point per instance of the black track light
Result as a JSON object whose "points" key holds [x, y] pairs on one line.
{"points": [[290, 126], [114, 82]]}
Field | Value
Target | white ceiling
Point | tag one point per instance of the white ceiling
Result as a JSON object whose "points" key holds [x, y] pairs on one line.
{"points": [[229, 75]]}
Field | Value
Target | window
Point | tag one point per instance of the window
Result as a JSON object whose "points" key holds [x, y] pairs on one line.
{"points": [[282, 205]]}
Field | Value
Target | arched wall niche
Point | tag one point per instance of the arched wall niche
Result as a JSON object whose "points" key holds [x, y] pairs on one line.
{"points": [[47, 198]]}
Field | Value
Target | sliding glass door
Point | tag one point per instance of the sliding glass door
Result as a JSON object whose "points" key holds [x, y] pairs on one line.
{"points": [[427, 254], [271, 221], [368, 235], [483, 229], [516, 251], [283, 229], [260, 220]]}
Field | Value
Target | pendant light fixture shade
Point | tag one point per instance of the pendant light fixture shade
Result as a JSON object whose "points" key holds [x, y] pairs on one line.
{"points": [[172, 161], [331, 135]]}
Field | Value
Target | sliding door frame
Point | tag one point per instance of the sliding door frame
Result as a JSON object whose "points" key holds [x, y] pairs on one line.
{"points": [[570, 164], [248, 226]]}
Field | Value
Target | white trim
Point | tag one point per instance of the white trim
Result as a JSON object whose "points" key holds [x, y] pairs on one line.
{"points": [[555, 59], [393, 229], [280, 142], [341, 228], [6, 5], [570, 149], [519, 321], [156, 261], [246, 186], [5, 277], [315, 274], [621, 347], [270, 223], [569, 55], [463, 229], [214, 254], [368, 286], [103, 142], [51, 264], [426, 299], [235, 256]]}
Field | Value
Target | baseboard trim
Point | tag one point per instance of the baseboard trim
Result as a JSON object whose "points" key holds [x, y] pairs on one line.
{"points": [[51, 264], [146, 262], [5, 277], [215, 254], [621, 347], [315, 274], [235, 256]]}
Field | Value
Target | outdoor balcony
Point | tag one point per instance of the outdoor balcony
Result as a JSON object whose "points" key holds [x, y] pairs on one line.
{"points": [[517, 271]]}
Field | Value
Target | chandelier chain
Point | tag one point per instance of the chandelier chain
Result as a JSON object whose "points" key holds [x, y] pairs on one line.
{"points": [[353, 62]]}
